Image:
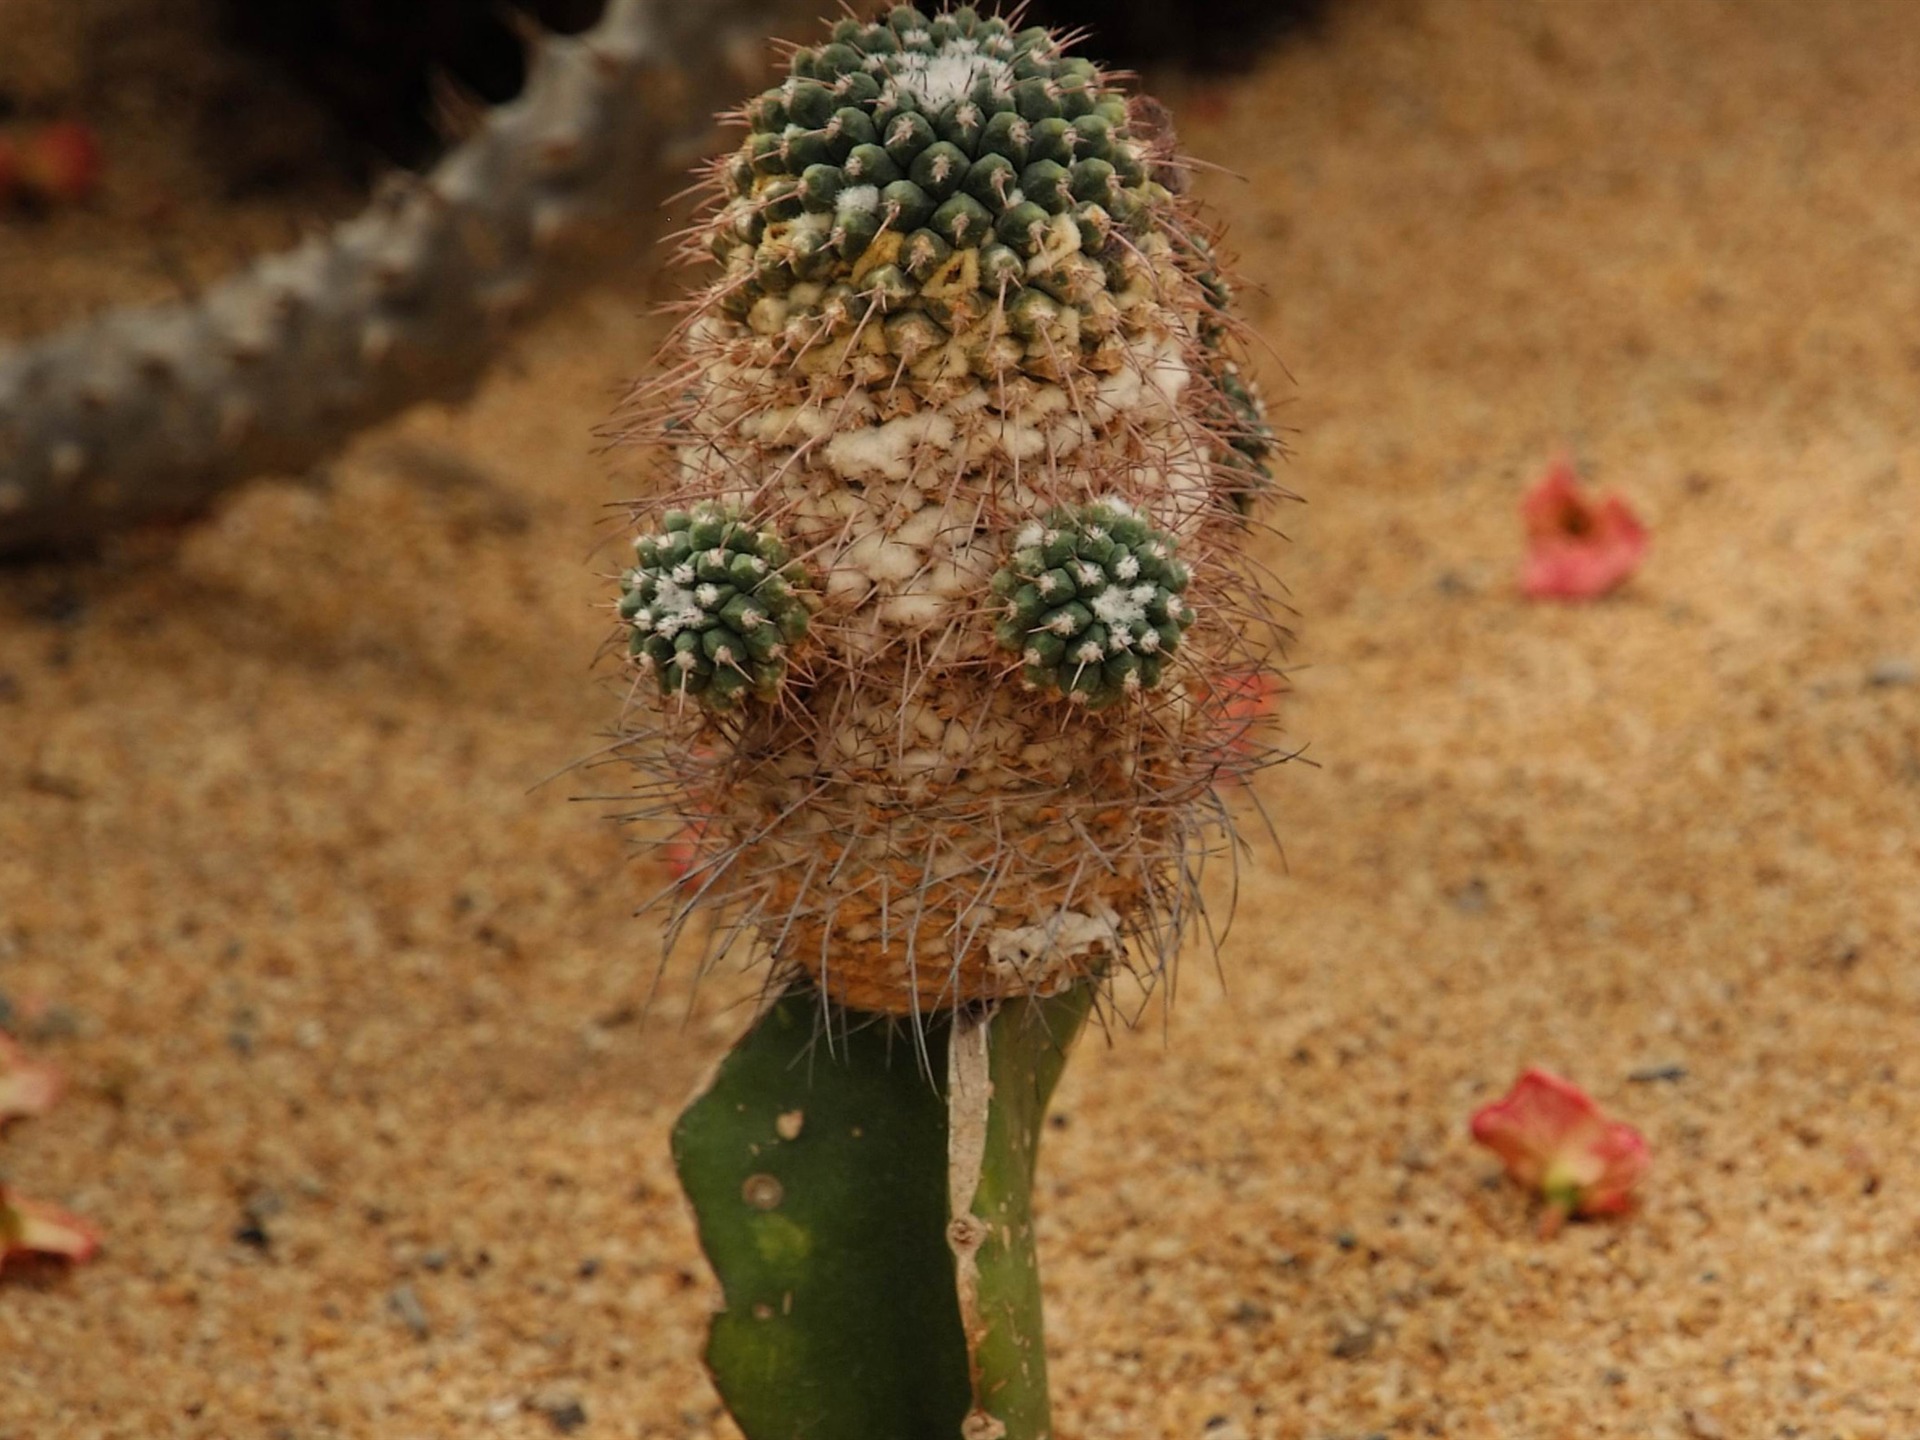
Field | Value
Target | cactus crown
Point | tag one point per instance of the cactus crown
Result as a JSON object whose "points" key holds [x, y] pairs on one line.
{"points": [[925, 161], [970, 357]]}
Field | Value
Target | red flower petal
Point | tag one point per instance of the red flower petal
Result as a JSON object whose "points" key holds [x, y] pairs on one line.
{"points": [[1577, 547], [1241, 700], [28, 1227], [59, 163], [1554, 1139], [26, 1087]]}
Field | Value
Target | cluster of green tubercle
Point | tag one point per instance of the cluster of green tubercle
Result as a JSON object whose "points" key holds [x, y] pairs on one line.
{"points": [[955, 134], [935, 170], [1093, 603], [712, 607]]}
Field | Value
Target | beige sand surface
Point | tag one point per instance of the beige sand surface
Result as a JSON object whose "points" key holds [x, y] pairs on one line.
{"points": [[345, 978]]}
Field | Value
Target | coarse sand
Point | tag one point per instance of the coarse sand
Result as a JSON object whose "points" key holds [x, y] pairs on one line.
{"points": [[364, 1090]]}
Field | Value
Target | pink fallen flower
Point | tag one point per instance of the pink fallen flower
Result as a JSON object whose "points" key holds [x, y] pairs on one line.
{"points": [[58, 164], [29, 1228], [1554, 1139], [1578, 547], [26, 1086]]}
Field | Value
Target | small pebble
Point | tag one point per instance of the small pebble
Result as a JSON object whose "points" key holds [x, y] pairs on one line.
{"points": [[1647, 1074], [1470, 898], [1892, 671], [562, 1408], [1250, 1312], [406, 1304], [1355, 1343], [59, 1022]]}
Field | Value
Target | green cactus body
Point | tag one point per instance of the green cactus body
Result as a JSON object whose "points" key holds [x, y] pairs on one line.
{"points": [[957, 300], [818, 1180], [868, 1208]]}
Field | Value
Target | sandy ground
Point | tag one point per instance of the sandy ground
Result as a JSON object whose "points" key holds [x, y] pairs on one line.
{"points": [[351, 1001]]}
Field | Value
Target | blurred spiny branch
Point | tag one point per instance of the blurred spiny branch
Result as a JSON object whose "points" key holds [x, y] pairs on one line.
{"points": [[150, 412]]}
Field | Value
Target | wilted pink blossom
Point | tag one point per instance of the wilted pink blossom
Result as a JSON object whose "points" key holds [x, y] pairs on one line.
{"points": [[26, 1086], [58, 164], [1578, 547], [1245, 699], [1555, 1140], [28, 1227]]}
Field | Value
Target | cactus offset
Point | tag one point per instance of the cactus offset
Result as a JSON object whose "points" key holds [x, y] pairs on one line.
{"points": [[712, 608], [969, 356], [1093, 604]]}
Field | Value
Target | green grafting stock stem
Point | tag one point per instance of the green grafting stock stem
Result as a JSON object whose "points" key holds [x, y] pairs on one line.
{"points": [[991, 1157], [823, 1180]]}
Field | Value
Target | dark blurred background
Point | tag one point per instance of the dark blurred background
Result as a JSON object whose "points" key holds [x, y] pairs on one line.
{"points": [[380, 69]]}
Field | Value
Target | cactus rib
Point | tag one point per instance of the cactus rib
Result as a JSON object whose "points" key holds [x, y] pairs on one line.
{"points": [[150, 411]]}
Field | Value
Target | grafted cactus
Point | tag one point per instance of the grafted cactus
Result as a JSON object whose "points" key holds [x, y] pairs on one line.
{"points": [[969, 357], [151, 411]]}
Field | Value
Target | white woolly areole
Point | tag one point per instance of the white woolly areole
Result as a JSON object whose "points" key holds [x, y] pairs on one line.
{"points": [[674, 608], [1119, 605], [1031, 951], [857, 199], [947, 76], [889, 449]]}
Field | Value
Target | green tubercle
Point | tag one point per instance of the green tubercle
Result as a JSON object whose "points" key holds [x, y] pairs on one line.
{"points": [[713, 608], [1092, 603]]}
